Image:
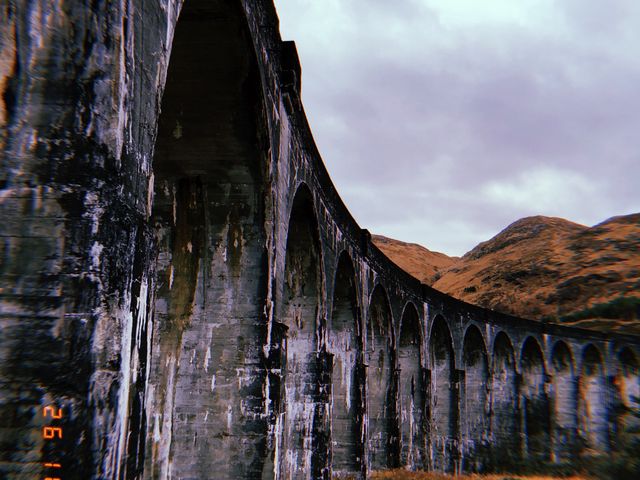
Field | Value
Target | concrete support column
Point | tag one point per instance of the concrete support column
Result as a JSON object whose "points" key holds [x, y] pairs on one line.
{"points": [[563, 395], [381, 398], [593, 403], [474, 403], [504, 418], [444, 429], [627, 396], [411, 393], [535, 408], [459, 440], [321, 460]]}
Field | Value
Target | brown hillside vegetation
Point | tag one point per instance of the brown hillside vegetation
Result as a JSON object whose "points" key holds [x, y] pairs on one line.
{"points": [[551, 269], [415, 259]]}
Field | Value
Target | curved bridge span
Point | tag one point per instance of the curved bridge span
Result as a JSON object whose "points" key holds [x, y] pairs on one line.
{"points": [[183, 282]]}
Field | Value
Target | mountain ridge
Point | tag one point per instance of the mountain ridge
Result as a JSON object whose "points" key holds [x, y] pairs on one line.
{"points": [[543, 268], [419, 261]]}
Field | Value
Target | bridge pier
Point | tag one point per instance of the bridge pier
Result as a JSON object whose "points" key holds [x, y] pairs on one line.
{"points": [[504, 418], [444, 440], [347, 402], [627, 383], [593, 404], [411, 392], [381, 402], [302, 354], [535, 408], [475, 403], [564, 401]]}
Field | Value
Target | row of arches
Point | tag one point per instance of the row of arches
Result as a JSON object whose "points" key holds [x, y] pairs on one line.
{"points": [[359, 398], [345, 392]]}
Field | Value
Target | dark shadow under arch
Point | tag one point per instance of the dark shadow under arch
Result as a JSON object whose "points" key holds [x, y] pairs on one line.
{"points": [[627, 381], [411, 391], [444, 431], [344, 342], [593, 414], [536, 412], [300, 451], [380, 393], [475, 433], [564, 402], [209, 212], [505, 424]]}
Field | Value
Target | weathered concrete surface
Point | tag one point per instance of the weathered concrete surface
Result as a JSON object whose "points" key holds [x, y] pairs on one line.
{"points": [[534, 398], [564, 408], [445, 387], [476, 408], [592, 402], [504, 417], [411, 392], [344, 342], [179, 275]]}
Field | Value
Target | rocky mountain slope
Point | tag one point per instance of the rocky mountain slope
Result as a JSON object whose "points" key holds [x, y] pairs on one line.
{"points": [[419, 261], [545, 268]]}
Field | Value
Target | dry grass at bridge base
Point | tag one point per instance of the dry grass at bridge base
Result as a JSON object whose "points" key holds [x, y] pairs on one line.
{"points": [[405, 475]]}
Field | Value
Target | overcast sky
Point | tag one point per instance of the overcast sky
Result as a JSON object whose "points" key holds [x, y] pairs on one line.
{"points": [[443, 121]]}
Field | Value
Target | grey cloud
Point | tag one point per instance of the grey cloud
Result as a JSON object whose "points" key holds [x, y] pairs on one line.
{"points": [[414, 127], [601, 18]]}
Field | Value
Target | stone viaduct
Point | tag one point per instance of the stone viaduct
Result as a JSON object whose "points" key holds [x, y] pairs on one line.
{"points": [[184, 295]]}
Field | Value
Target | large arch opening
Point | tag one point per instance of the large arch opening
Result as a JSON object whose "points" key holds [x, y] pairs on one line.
{"points": [[593, 415], [412, 391], [536, 413], [505, 425], [475, 434], [380, 395], [345, 344], [301, 301], [564, 402], [627, 382], [209, 212], [444, 399]]}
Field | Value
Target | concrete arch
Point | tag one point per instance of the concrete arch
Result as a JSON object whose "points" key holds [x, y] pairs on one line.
{"points": [[301, 455], [564, 397], [593, 414], [536, 412], [411, 390], [209, 214], [505, 424], [382, 428], [477, 331], [344, 343], [627, 382], [475, 401], [444, 432]]}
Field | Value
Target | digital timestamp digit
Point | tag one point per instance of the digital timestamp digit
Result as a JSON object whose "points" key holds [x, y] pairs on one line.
{"points": [[52, 433]]}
